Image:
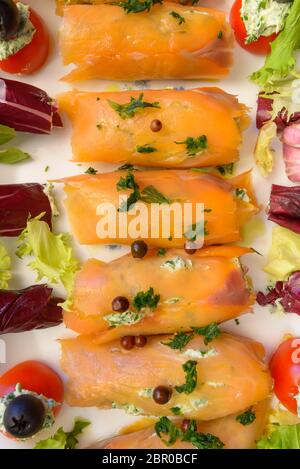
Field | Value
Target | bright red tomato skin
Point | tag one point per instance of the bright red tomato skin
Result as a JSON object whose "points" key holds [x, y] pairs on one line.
{"points": [[285, 370], [36, 377], [261, 46], [33, 56]]}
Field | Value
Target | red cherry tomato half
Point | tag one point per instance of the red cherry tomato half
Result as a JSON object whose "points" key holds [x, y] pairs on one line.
{"points": [[33, 56], [36, 377], [285, 369], [261, 46]]}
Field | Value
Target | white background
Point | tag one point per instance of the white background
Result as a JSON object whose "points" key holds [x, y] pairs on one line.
{"points": [[55, 152]]}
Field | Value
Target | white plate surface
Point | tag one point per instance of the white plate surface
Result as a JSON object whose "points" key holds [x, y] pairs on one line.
{"points": [[55, 151]]}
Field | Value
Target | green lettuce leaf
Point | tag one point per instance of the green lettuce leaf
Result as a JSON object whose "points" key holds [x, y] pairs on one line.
{"points": [[280, 63], [263, 153], [5, 265], [53, 255], [6, 134], [284, 254], [282, 437], [62, 439]]}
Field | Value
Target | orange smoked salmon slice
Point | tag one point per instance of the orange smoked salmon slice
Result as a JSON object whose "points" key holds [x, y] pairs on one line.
{"points": [[102, 41], [208, 286], [227, 429], [183, 113], [231, 376], [225, 212]]}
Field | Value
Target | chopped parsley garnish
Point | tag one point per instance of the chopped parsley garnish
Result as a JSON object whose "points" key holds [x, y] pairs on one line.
{"points": [[91, 170], [128, 166], [128, 110], [220, 34], [161, 252], [246, 418], [194, 145], [166, 426], [196, 229], [148, 195], [46, 168], [226, 169], [209, 332], [177, 16], [201, 440], [198, 439], [145, 149], [137, 6], [176, 410], [237, 321], [179, 341], [190, 369], [147, 299]]}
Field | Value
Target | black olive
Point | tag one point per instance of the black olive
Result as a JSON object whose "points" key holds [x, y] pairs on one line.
{"points": [[139, 249], [24, 416], [9, 19], [120, 304]]}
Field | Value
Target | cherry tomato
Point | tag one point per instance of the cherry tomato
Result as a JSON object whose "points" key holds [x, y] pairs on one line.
{"points": [[33, 56], [261, 46], [285, 369], [36, 377]]}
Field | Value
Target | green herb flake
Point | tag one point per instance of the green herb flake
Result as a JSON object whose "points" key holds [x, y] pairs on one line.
{"points": [[176, 410], [129, 110], [166, 427], [91, 170], [99, 126], [148, 195], [151, 195], [246, 418], [190, 369], [128, 167], [178, 17], [145, 149], [179, 341], [201, 440], [161, 252], [220, 35], [137, 6], [210, 332], [198, 439], [147, 299], [226, 169], [46, 169], [194, 145]]}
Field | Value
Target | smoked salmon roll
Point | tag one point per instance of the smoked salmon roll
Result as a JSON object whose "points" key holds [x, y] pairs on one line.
{"points": [[200, 381], [168, 41], [161, 128], [190, 290], [228, 430], [122, 206]]}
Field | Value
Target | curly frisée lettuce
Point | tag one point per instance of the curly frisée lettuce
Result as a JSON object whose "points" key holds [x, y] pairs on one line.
{"points": [[281, 61], [284, 254], [282, 437], [62, 439], [53, 255], [5, 265]]}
